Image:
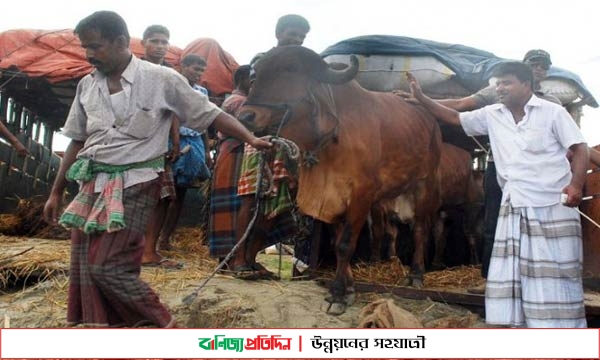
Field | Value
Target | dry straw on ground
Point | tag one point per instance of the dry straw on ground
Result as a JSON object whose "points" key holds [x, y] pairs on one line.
{"points": [[26, 260]]}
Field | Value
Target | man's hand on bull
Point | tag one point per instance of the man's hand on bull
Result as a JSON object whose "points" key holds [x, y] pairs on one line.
{"points": [[407, 96], [262, 143], [415, 87]]}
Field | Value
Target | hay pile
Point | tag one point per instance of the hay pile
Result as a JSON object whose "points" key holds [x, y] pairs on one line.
{"points": [[393, 273], [27, 220], [187, 248], [26, 260]]}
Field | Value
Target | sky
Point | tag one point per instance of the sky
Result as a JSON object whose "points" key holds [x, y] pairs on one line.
{"points": [[508, 28]]}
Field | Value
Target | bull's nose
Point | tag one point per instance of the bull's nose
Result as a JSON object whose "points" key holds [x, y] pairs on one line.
{"points": [[247, 116]]}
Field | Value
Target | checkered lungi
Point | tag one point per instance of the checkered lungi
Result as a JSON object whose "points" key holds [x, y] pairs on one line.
{"points": [[167, 182], [534, 278], [104, 284], [225, 205], [224, 202]]}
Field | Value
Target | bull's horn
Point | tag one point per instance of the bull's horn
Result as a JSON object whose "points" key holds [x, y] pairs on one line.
{"points": [[333, 76]]}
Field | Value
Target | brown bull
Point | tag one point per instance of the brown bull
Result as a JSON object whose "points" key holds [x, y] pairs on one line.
{"points": [[357, 147], [590, 232], [459, 191]]}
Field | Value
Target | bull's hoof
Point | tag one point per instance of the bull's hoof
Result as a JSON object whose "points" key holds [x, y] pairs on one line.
{"points": [[413, 282], [405, 282], [417, 283], [333, 308], [350, 297]]}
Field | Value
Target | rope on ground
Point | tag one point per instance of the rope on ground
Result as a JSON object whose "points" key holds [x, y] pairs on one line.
{"points": [[294, 153], [188, 300]]}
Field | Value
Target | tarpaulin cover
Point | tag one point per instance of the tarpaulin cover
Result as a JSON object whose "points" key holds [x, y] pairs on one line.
{"points": [[472, 66], [55, 55], [218, 77]]}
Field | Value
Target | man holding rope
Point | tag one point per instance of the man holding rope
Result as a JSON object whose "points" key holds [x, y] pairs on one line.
{"points": [[119, 124]]}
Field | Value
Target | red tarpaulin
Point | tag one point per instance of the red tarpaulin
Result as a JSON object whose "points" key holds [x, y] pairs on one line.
{"points": [[55, 55], [40, 68]]}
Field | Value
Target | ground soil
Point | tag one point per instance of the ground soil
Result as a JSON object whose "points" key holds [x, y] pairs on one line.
{"points": [[38, 299]]}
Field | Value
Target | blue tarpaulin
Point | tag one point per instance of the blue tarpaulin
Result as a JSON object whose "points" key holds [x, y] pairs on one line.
{"points": [[473, 67]]}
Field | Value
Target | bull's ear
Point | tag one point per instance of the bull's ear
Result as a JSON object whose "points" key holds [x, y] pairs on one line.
{"points": [[333, 76]]}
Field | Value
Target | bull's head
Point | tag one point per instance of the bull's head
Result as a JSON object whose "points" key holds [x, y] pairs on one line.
{"points": [[286, 96]]}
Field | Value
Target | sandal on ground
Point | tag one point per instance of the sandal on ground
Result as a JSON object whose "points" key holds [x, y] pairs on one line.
{"points": [[164, 263], [264, 273], [253, 272]]}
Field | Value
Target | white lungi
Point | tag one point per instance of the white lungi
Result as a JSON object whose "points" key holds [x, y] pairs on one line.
{"points": [[534, 278]]}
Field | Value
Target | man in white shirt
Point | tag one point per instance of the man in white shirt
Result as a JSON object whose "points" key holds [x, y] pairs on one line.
{"points": [[534, 278]]}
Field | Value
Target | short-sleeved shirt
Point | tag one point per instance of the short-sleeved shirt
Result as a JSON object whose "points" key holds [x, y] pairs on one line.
{"points": [[530, 156], [489, 96], [152, 94]]}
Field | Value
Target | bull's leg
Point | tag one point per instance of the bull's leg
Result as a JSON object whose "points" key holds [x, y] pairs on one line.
{"points": [[345, 244], [473, 232], [342, 289], [427, 203], [421, 237], [391, 234], [439, 238], [378, 231], [470, 232]]}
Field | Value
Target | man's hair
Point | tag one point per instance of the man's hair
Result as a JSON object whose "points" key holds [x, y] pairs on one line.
{"points": [[192, 59], [291, 20], [242, 73], [109, 24], [520, 70], [156, 29]]}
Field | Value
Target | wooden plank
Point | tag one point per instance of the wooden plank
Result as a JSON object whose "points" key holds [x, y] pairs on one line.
{"points": [[3, 176], [5, 152], [36, 150], [30, 166], [41, 173], [452, 296]]}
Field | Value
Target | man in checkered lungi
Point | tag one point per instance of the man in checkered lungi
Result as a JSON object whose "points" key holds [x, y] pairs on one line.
{"points": [[118, 124], [534, 278]]}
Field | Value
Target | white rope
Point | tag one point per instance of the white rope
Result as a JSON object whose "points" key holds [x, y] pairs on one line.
{"points": [[486, 151], [563, 199], [587, 217], [191, 297]]}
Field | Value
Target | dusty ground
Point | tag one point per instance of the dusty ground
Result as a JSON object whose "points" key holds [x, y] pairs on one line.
{"points": [[224, 302]]}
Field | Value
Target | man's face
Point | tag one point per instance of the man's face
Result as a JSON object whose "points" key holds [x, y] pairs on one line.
{"points": [[193, 72], [511, 91], [291, 36], [155, 47], [103, 54], [540, 69]]}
